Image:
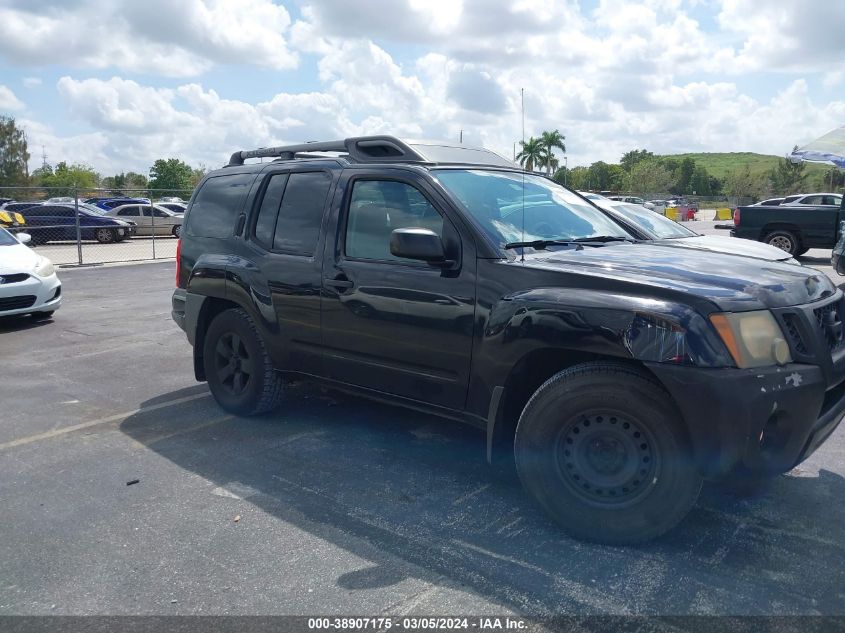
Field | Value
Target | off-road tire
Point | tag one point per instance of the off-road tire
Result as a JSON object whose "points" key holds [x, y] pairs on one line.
{"points": [[262, 389], [611, 416]]}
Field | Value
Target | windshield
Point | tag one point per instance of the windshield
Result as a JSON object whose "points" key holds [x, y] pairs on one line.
{"points": [[6, 238], [496, 199], [90, 207], [658, 226]]}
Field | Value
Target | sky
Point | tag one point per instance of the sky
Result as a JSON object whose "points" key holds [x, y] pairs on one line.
{"points": [[117, 84]]}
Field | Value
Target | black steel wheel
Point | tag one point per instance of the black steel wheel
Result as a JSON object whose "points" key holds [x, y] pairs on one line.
{"points": [[603, 449], [607, 459], [237, 366]]}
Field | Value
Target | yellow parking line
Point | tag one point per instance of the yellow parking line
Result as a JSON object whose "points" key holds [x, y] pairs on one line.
{"points": [[85, 425]]}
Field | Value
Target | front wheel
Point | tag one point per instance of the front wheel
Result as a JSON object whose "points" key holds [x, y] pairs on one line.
{"points": [[784, 240], [106, 236], [177, 231], [602, 447], [238, 368]]}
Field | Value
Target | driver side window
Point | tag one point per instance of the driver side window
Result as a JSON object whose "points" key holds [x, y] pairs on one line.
{"points": [[376, 209]]}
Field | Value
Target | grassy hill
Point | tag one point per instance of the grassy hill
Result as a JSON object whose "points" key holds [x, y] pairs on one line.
{"points": [[720, 164]]}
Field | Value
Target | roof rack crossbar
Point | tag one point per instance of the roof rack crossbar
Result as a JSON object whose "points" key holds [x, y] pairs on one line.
{"points": [[362, 149]]}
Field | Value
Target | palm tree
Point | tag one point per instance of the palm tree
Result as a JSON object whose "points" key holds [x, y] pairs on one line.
{"points": [[533, 153], [551, 141]]}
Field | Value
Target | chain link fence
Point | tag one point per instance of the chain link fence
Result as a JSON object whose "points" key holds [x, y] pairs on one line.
{"points": [[76, 227]]}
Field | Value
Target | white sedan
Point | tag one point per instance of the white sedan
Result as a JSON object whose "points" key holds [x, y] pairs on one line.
{"points": [[28, 281]]}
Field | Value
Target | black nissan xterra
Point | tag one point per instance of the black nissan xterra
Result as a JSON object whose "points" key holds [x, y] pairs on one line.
{"points": [[439, 276]]}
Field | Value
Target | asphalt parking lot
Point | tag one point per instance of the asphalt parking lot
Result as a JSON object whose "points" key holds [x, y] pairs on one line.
{"points": [[332, 505]]}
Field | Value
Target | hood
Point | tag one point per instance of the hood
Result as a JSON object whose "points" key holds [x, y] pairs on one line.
{"points": [[730, 246], [17, 258], [733, 283]]}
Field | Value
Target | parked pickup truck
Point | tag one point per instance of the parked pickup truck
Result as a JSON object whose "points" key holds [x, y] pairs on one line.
{"points": [[617, 373], [793, 228]]}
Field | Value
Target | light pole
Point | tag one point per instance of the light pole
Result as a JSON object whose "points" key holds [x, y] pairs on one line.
{"points": [[565, 168]]}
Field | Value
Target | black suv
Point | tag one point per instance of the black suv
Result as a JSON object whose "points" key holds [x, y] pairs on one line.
{"points": [[439, 276]]}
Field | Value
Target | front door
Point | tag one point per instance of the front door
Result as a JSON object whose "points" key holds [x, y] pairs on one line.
{"points": [[395, 325]]}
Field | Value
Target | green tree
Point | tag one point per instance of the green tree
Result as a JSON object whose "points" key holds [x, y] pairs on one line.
{"points": [[197, 175], [578, 178], [171, 176], [601, 176], [833, 179], [14, 154], [131, 181], [629, 159], [649, 177], [700, 182], [683, 176], [744, 183], [788, 177], [551, 141], [533, 154], [65, 179]]}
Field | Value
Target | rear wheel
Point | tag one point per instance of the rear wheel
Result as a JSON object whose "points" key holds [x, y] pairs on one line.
{"points": [[238, 368], [177, 231], [106, 236], [784, 240], [801, 251], [602, 448]]}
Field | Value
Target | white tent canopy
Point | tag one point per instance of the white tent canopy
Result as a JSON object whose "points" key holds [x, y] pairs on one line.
{"points": [[829, 148]]}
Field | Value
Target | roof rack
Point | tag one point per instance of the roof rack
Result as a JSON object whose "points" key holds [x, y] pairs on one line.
{"points": [[361, 149]]}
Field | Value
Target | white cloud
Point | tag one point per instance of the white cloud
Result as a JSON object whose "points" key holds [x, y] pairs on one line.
{"points": [[8, 100], [177, 39], [31, 82], [626, 74]]}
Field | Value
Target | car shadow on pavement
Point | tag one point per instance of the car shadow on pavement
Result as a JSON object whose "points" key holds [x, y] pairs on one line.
{"points": [[411, 494], [22, 323]]}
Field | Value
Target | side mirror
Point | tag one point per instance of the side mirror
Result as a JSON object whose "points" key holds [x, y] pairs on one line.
{"points": [[418, 243], [24, 238]]}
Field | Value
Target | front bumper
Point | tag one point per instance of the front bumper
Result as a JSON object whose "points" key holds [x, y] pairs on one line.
{"points": [[766, 419], [35, 294]]}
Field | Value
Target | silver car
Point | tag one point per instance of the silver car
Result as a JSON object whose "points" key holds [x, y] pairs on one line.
{"points": [[149, 220]]}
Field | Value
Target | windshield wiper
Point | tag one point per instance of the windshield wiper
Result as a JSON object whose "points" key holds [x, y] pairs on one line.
{"points": [[543, 244], [603, 238], [540, 245]]}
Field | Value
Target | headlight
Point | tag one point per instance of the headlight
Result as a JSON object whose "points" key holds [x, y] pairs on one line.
{"points": [[44, 267], [754, 339]]}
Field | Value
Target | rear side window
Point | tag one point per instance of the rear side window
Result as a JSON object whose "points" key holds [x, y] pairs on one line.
{"points": [[217, 204], [291, 212]]}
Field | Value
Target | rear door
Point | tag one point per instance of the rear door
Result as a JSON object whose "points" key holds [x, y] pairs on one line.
{"points": [[395, 325], [283, 275]]}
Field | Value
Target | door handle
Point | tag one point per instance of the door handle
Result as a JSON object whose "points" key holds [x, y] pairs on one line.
{"points": [[339, 283]]}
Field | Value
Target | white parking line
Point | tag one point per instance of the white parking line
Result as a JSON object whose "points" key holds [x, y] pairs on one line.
{"points": [[118, 417]]}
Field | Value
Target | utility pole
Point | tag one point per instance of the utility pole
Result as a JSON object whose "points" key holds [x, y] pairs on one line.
{"points": [[461, 139], [43, 157]]}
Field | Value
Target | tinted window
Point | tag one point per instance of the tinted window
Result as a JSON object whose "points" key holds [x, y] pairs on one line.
{"points": [[376, 209], [217, 204], [265, 224], [31, 212], [301, 212], [58, 212], [812, 200], [133, 211]]}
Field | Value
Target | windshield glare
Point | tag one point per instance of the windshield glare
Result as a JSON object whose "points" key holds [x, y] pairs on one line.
{"points": [[658, 225], [496, 200]]}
